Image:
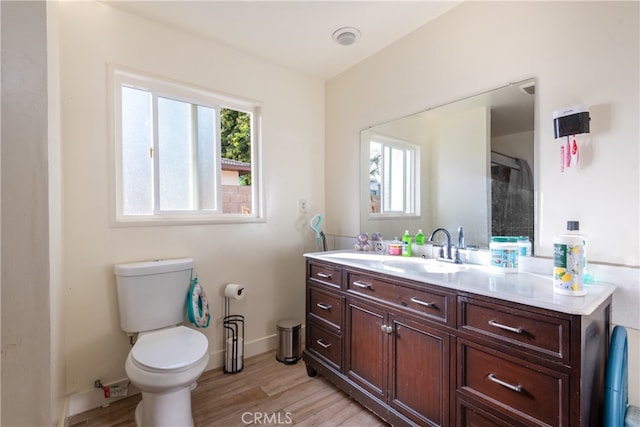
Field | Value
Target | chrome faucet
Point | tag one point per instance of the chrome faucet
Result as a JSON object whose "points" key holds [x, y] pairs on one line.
{"points": [[448, 247], [447, 255]]}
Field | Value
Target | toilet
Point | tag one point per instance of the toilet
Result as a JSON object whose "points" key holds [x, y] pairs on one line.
{"points": [[167, 358]]}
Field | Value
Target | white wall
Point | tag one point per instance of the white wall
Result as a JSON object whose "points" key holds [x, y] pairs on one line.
{"points": [[56, 288], [580, 53], [26, 313], [265, 257]]}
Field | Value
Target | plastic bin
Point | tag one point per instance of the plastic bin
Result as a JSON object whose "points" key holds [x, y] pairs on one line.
{"points": [[289, 344]]}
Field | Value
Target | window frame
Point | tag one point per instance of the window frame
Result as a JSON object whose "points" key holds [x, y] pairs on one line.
{"points": [[170, 89], [411, 177]]}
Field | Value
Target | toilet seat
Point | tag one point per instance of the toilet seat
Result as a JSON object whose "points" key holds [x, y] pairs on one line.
{"points": [[169, 350]]}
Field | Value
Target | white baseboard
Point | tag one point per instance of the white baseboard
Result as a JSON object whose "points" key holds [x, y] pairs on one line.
{"points": [[94, 398]]}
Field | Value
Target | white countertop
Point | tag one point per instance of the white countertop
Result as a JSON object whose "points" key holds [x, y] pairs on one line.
{"points": [[525, 288]]}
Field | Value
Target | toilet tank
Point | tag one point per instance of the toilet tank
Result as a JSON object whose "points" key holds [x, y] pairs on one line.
{"points": [[152, 294]]}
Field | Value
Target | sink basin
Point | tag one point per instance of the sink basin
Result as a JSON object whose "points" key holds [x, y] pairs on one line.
{"points": [[419, 265]]}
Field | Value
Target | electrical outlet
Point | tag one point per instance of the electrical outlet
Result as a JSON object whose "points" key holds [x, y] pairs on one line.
{"points": [[302, 205]]}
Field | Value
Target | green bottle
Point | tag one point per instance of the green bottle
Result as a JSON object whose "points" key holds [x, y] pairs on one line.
{"points": [[406, 243], [420, 238]]}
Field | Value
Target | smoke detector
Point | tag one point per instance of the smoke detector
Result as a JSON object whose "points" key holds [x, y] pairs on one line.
{"points": [[346, 36]]}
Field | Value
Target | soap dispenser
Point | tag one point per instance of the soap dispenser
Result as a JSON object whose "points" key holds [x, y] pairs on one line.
{"points": [[418, 249], [406, 243]]}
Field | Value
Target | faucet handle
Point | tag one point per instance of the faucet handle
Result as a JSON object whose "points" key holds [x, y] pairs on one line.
{"points": [[456, 258]]}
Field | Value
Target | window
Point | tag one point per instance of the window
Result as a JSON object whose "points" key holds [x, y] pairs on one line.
{"points": [[183, 153], [393, 174]]}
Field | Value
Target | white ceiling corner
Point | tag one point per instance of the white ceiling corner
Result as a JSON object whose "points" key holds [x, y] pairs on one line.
{"points": [[295, 34]]}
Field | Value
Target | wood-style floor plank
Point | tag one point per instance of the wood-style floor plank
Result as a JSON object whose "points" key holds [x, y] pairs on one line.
{"points": [[265, 392]]}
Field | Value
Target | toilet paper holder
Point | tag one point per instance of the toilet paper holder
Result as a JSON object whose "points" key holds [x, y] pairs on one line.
{"points": [[233, 332], [234, 341]]}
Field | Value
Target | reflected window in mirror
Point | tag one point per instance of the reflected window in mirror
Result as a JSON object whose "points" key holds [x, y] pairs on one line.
{"points": [[393, 176], [477, 159]]}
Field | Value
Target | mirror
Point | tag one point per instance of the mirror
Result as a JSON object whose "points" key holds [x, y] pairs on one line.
{"points": [[474, 168]]}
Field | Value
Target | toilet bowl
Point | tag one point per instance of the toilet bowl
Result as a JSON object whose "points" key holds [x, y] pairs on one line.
{"points": [[165, 365]]}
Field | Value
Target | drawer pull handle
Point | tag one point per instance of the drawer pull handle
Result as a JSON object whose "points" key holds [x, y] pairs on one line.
{"points": [[505, 327], [324, 275], [516, 388], [362, 285], [324, 306], [422, 303], [323, 344]]}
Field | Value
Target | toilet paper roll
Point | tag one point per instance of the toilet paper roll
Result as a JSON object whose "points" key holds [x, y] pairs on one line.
{"points": [[230, 366], [234, 291]]}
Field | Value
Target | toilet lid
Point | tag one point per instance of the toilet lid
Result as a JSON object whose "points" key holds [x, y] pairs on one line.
{"points": [[170, 349]]}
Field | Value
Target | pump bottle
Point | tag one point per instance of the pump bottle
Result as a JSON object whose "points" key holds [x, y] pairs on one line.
{"points": [[418, 249], [406, 243]]}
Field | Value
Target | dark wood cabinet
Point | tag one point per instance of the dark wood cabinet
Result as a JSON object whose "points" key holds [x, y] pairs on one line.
{"points": [[419, 358], [366, 349], [420, 354]]}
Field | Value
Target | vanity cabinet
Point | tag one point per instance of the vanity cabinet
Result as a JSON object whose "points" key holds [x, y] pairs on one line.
{"points": [[421, 354]]}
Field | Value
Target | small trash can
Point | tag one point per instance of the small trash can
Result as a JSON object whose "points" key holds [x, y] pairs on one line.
{"points": [[289, 344]]}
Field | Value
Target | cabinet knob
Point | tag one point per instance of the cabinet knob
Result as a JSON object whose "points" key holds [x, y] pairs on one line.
{"points": [[323, 306], [386, 328]]}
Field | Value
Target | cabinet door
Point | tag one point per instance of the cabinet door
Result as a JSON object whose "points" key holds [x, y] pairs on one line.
{"points": [[366, 346], [419, 371]]}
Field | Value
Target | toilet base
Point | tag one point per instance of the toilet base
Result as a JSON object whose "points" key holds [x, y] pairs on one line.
{"points": [[166, 409]]}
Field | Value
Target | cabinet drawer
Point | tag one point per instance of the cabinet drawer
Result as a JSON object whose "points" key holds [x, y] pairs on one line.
{"points": [[372, 287], [533, 332], [529, 392], [326, 344], [426, 302], [326, 306], [468, 415], [325, 274], [430, 303]]}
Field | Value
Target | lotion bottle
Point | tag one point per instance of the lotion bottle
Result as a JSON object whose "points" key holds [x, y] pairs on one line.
{"points": [[568, 262]]}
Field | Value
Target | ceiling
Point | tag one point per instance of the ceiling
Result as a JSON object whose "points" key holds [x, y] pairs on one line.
{"points": [[296, 34]]}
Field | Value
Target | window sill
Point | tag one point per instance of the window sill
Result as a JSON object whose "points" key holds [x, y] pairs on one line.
{"points": [[155, 221]]}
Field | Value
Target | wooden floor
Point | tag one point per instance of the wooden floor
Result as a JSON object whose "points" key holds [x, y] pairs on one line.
{"points": [[265, 392]]}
